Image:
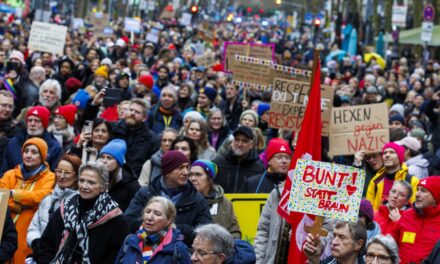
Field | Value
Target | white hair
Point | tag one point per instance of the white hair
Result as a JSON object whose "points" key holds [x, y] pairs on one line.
{"points": [[53, 84]]}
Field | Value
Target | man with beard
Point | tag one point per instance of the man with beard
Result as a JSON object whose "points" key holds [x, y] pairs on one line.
{"points": [[278, 156], [37, 121], [241, 161], [142, 143]]}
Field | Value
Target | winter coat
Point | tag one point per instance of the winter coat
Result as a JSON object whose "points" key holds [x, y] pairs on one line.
{"points": [[232, 172], [156, 120], [105, 240], [382, 217], [142, 143], [376, 186], [45, 210], [206, 154], [416, 233], [222, 211], [24, 203], [8, 244], [222, 135], [233, 112], [170, 250], [418, 166], [125, 188], [192, 209], [14, 155], [152, 169], [435, 121], [261, 183]]}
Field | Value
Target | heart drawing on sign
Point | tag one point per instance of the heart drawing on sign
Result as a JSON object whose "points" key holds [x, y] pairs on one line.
{"points": [[350, 189]]}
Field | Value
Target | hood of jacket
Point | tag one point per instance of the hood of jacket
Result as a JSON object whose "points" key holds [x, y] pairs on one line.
{"points": [[216, 195], [156, 158], [418, 161]]}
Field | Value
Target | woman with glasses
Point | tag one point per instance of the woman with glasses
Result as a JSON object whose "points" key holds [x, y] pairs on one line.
{"points": [[382, 250], [157, 240], [152, 167], [66, 185], [202, 175]]}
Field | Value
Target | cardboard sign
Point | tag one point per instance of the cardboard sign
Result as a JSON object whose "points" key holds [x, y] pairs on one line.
{"points": [[47, 37], [262, 51], [132, 25], [362, 127], [251, 71], [4, 198], [99, 21], [206, 32], [289, 103], [247, 208], [327, 189], [206, 60], [230, 50]]}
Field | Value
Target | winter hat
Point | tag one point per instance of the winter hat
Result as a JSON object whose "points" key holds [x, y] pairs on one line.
{"points": [[81, 98], [72, 84], [193, 115], [117, 149], [40, 112], [102, 71], [397, 148], [397, 117], [209, 166], [262, 108], [146, 80], [210, 92], [277, 145], [399, 108], [171, 160], [68, 112], [121, 43], [244, 130], [170, 89], [106, 61], [418, 133], [410, 142], [16, 54], [252, 113], [217, 67], [432, 183], [40, 144], [366, 209]]}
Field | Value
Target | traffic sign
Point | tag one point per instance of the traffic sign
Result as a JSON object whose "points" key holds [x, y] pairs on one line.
{"points": [[428, 12], [427, 28]]}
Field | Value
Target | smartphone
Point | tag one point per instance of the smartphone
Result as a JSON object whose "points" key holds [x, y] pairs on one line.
{"points": [[112, 97], [88, 126]]}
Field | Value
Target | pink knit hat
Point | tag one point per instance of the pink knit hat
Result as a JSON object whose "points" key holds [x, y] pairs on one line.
{"points": [[397, 148]]}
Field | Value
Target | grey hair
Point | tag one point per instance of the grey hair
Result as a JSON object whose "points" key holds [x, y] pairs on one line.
{"points": [[407, 186], [51, 83], [168, 206], [97, 167], [389, 244], [357, 231], [221, 240], [214, 110], [37, 71]]}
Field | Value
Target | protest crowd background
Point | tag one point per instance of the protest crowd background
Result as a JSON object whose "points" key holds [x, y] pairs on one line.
{"points": [[123, 139]]}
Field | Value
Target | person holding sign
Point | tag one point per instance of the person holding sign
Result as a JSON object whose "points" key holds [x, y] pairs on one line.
{"points": [[393, 170]]}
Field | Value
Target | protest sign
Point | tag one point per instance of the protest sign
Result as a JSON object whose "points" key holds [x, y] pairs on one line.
{"points": [[185, 20], [327, 189], [251, 71], [230, 50], [77, 23], [289, 103], [132, 25], [262, 51], [47, 37], [206, 32], [99, 21], [362, 127], [206, 60], [4, 198], [153, 35], [290, 73]]}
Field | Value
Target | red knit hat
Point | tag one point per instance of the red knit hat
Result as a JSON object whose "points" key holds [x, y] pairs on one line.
{"points": [[72, 84], [110, 113], [40, 112], [147, 80], [277, 145], [68, 112], [432, 183], [217, 67], [397, 148]]}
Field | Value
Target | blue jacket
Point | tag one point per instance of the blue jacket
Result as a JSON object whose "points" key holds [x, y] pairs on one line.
{"points": [[171, 250], [13, 155], [156, 121]]}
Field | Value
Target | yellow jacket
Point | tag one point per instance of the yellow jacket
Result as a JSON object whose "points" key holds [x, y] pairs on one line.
{"points": [[375, 188]]}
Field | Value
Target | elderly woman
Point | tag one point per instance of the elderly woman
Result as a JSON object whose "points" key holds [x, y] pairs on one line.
{"points": [[382, 249], [198, 131], [152, 167], [66, 185], [398, 201], [156, 241], [29, 182], [87, 228], [202, 175]]}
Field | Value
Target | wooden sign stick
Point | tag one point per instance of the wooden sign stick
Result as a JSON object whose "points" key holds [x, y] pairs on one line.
{"points": [[316, 228]]}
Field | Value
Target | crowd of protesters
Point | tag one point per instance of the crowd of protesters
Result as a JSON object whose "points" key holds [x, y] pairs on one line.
{"points": [[120, 150]]}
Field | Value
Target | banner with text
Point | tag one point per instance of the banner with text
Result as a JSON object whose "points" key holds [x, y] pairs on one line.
{"points": [[47, 37], [251, 71], [355, 128], [260, 51], [289, 102], [327, 189]]}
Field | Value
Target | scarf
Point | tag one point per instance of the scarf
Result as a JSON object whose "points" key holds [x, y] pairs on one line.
{"points": [[27, 174], [150, 242], [103, 210]]}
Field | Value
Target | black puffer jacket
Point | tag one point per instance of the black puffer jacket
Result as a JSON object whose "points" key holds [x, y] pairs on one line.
{"points": [[124, 189], [192, 208], [232, 172]]}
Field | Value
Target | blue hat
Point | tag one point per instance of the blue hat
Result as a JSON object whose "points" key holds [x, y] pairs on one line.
{"points": [[397, 117], [210, 92], [200, 68], [208, 166], [81, 98], [117, 149], [263, 107]]}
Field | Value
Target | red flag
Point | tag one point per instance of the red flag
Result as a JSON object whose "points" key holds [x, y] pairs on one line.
{"points": [[307, 147]]}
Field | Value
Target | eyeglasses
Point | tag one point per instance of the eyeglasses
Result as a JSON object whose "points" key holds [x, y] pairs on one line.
{"points": [[7, 106], [61, 172], [202, 254], [379, 258]]}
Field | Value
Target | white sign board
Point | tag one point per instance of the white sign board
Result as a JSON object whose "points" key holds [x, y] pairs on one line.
{"points": [[132, 25], [399, 15], [153, 35], [47, 37], [186, 19], [426, 34]]}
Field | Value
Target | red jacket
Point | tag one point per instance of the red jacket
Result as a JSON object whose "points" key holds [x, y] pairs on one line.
{"points": [[382, 218], [416, 234]]}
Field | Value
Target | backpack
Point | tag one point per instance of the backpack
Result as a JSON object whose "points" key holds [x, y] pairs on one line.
{"points": [[244, 253]]}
